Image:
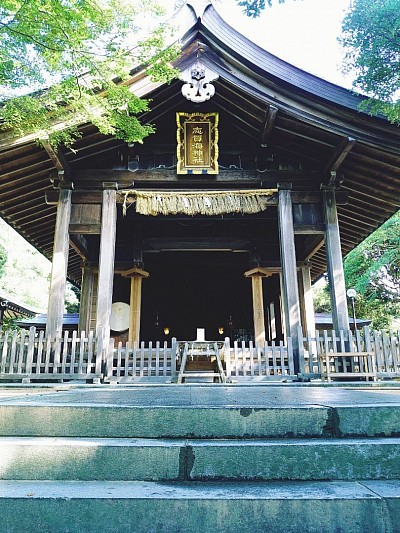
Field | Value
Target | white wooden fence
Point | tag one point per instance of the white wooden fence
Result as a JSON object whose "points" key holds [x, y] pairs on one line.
{"points": [[254, 363], [28, 356], [154, 362], [363, 353]]}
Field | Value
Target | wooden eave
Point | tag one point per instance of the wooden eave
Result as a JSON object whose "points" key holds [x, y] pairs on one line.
{"points": [[311, 121]]}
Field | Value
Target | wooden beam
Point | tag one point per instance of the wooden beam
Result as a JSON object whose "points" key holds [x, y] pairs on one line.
{"points": [[306, 298], [93, 229], [313, 248], [137, 275], [169, 178], [43, 165], [56, 156], [106, 265], [334, 260], [96, 152], [298, 197], [86, 300], [290, 291], [305, 229], [338, 157], [58, 277], [258, 305], [80, 245], [78, 197], [268, 125]]}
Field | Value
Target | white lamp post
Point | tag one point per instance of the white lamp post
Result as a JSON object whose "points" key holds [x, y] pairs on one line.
{"points": [[352, 293]]}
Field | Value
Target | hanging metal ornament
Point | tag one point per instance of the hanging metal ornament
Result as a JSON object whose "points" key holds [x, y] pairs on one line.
{"points": [[198, 78]]}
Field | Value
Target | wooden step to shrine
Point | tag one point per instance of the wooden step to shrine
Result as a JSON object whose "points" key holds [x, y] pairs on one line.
{"points": [[200, 377], [157, 459]]}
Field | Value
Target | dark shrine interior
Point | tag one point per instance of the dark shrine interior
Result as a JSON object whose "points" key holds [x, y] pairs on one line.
{"points": [[196, 289]]}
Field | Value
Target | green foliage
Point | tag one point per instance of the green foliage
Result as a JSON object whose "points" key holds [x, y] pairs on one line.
{"points": [[322, 302], [83, 51], [3, 259], [373, 269], [9, 323], [253, 8], [72, 297], [25, 273], [371, 34]]}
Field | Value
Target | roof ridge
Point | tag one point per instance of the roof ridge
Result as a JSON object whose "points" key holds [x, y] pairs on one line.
{"points": [[199, 6]]}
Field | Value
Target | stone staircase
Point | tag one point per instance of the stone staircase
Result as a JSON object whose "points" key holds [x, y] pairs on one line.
{"points": [[68, 464]]}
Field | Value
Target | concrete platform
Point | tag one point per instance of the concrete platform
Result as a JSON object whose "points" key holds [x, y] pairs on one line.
{"points": [[48, 458], [206, 395], [200, 411], [146, 507]]}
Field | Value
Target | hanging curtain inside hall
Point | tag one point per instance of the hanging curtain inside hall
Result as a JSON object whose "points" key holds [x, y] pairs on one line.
{"points": [[196, 202]]}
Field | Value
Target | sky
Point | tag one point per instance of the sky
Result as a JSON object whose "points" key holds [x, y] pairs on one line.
{"points": [[302, 32]]}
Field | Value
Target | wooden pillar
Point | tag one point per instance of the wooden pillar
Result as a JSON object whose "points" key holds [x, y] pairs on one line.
{"points": [[85, 307], [257, 274], [106, 263], [267, 321], [337, 287], [3, 309], [136, 275], [306, 298], [58, 278], [282, 313], [290, 292]]}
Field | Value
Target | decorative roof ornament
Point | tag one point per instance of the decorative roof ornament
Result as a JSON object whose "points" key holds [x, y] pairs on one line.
{"points": [[199, 6], [198, 78]]}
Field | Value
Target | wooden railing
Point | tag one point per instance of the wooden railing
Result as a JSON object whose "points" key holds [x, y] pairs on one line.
{"points": [[154, 362], [363, 353], [29, 356], [250, 362], [386, 347]]}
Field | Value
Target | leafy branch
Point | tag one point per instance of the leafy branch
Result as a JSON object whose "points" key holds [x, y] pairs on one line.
{"points": [[83, 52]]}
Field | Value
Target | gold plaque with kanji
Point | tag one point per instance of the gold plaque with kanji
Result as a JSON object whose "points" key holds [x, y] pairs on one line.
{"points": [[197, 137]]}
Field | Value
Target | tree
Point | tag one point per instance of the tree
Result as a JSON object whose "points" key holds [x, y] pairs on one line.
{"points": [[82, 50], [3, 259], [373, 269], [371, 35], [322, 299], [253, 8], [72, 298]]}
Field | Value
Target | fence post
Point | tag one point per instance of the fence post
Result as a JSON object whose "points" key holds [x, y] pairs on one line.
{"points": [[227, 357], [174, 354], [21, 352], [302, 362], [100, 354], [4, 352], [290, 353], [31, 346], [367, 339], [368, 348], [395, 347]]}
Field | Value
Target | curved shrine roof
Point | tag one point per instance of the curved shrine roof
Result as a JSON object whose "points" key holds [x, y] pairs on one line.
{"points": [[277, 107]]}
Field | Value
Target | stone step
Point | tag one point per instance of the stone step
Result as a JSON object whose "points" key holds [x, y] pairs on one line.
{"points": [[88, 459], [146, 507], [294, 459], [43, 418]]}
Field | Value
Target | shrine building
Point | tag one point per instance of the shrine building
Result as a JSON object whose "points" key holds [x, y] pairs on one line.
{"points": [[260, 178]]}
